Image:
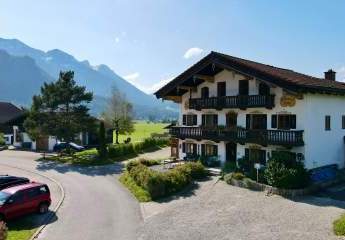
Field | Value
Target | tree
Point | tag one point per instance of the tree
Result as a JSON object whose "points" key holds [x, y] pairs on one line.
{"points": [[2, 139], [102, 149], [119, 114], [60, 110]]}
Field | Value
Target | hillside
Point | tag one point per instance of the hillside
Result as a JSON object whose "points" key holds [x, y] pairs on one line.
{"points": [[98, 79]]}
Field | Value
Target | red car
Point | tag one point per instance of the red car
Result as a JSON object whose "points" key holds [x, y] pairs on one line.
{"points": [[23, 199]]}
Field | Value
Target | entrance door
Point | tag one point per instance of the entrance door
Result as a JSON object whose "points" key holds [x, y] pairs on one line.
{"points": [[231, 150]]}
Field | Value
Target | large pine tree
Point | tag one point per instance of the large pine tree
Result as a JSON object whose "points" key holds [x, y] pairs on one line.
{"points": [[60, 110]]}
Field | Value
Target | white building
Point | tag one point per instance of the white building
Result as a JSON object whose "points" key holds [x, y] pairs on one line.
{"points": [[234, 108]]}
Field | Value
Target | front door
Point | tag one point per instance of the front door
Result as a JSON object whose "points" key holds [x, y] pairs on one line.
{"points": [[231, 149]]}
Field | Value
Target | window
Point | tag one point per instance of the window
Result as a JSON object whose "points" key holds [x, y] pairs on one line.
{"points": [[231, 120], [327, 123], [284, 121], [204, 92], [243, 88], [189, 148], [221, 89], [264, 89], [255, 156], [256, 121], [209, 120], [189, 119], [343, 122], [209, 150]]}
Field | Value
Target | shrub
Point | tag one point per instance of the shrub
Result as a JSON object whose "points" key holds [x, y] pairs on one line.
{"points": [[3, 230], [2, 139], [229, 167], [227, 178], [238, 176], [291, 175], [141, 194], [339, 226], [149, 162]]}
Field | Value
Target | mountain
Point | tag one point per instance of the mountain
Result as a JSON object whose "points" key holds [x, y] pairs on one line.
{"points": [[98, 79]]}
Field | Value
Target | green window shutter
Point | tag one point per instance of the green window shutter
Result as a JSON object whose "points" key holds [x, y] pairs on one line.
{"points": [[195, 150], [215, 150], [293, 121], [184, 119], [195, 120], [215, 119], [246, 153], [183, 147], [202, 149], [274, 121], [203, 120], [248, 121]]}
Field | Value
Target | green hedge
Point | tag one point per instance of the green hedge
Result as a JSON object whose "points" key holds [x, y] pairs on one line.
{"points": [[339, 226], [160, 184], [122, 149]]}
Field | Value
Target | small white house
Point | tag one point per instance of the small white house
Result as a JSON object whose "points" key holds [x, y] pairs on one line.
{"points": [[234, 108]]}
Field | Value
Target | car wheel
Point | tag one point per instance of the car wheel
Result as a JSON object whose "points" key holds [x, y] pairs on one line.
{"points": [[43, 208]]}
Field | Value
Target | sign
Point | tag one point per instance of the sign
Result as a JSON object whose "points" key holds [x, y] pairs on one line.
{"points": [[257, 166], [287, 100]]}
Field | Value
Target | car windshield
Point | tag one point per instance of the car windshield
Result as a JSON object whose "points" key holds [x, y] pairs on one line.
{"points": [[3, 197]]}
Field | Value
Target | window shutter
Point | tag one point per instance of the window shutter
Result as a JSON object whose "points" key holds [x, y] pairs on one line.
{"points": [[293, 121], [248, 121], [183, 147], [184, 119], [215, 119], [195, 149], [343, 122], [202, 149], [274, 121], [215, 150], [203, 120], [246, 153], [263, 157], [195, 119]]}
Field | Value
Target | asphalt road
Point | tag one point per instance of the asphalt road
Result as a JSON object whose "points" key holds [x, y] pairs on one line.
{"points": [[96, 205]]}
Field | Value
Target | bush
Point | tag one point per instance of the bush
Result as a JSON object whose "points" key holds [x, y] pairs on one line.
{"points": [[149, 162], [238, 176], [141, 194], [229, 167], [162, 184], [288, 175], [2, 139], [3, 230], [339, 226]]}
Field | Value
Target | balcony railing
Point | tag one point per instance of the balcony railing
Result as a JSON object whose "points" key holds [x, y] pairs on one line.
{"points": [[262, 137], [241, 101]]}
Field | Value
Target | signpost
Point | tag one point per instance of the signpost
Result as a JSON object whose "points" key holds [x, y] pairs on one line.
{"points": [[257, 166]]}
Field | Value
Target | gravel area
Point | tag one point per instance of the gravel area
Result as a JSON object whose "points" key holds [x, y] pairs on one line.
{"points": [[215, 210]]}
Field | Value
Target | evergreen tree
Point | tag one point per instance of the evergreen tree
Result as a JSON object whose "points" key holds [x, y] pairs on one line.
{"points": [[102, 148], [60, 110]]}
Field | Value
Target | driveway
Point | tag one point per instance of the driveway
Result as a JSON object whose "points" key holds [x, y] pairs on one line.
{"points": [[96, 205], [216, 210]]}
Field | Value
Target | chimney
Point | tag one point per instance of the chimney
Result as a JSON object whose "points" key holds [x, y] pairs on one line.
{"points": [[330, 75]]}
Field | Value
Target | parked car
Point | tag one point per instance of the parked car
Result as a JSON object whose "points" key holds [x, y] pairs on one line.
{"points": [[9, 181], [63, 145], [24, 199]]}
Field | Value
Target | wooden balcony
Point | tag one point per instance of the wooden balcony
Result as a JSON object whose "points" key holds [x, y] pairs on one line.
{"points": [[241, 102], [287, 138]]}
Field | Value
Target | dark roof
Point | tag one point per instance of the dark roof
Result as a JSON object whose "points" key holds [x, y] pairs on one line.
{"points": [[215, 62], [9, 111]]}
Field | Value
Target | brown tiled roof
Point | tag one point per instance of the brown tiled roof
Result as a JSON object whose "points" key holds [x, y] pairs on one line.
{"points": [[285, 78], [8, 111]]}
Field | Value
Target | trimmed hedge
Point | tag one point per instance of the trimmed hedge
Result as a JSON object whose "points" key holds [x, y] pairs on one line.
{"points": [[160, 184], [122, 149]]}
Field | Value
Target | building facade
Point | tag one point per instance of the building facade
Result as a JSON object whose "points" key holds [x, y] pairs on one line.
{"points": [[233, 108]]}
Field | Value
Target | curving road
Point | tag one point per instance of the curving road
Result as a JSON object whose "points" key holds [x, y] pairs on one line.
{"points": [[96, 206]]}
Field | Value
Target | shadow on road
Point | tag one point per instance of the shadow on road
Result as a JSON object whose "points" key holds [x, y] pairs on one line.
{"points": [[102, 170], [31, 221]]}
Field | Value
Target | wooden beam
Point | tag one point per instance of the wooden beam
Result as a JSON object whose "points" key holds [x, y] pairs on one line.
{"points": [[176, 99], [204, 77], [194, 89]]}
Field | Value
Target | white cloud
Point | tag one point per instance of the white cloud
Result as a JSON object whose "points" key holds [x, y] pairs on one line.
{"points": [[193, 52], [117, 39], [341, 74], [134, 79]]}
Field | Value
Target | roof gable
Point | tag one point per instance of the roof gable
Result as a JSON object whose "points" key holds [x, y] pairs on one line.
{"points": [[215, 62], [9, 111]]}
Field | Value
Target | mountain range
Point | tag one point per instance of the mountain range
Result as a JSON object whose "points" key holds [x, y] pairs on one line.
{"points": [[24, 69]]}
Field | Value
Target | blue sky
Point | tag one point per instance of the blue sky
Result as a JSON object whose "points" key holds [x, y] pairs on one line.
{"points": [[150, 41]]}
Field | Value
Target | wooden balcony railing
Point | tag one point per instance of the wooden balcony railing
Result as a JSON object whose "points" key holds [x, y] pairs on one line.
{"points": [[262, 137], [241, 101]]}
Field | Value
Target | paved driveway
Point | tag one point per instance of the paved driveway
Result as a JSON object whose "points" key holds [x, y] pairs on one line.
{"points": [[96, 205], [220, 211]]}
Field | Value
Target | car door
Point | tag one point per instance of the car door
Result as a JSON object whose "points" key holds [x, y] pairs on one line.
{"points": [[14, 206], [34, 198]]}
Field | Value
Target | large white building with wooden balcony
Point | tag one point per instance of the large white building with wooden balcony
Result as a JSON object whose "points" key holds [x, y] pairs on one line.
{"points": [[234, 108]]}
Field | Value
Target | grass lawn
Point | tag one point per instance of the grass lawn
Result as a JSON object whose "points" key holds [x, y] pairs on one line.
{"points": [[339, 226], [21, 229], [143, 130]]}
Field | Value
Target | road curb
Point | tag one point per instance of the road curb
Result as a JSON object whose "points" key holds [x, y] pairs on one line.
{"points": [[58, 205]]}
